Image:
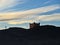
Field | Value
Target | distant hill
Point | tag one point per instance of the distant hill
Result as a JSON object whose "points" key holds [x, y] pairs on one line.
{"points": [[43, 35]]}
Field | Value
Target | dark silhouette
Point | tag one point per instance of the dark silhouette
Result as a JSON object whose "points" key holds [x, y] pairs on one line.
{"points": [[34, 25], [36, 35]]}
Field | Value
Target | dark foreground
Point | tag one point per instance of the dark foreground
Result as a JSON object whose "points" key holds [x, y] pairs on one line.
{"points": [[44, 35]]}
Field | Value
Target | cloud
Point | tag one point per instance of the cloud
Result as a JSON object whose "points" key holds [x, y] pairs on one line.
{"points": [[20, 22], [30, 16], [47, 2], [26, 14], [4, 4], [51, 17], [26, 1]]}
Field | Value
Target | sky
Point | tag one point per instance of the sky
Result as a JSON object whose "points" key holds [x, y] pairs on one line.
{"points": [[19, 13]]}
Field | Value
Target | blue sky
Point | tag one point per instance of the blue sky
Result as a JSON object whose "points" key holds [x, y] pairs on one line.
{"points": [[19, 13]]}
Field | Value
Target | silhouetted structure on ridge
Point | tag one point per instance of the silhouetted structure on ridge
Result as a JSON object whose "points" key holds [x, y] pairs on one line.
{"points": [[36, 35], [33, 25]]}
